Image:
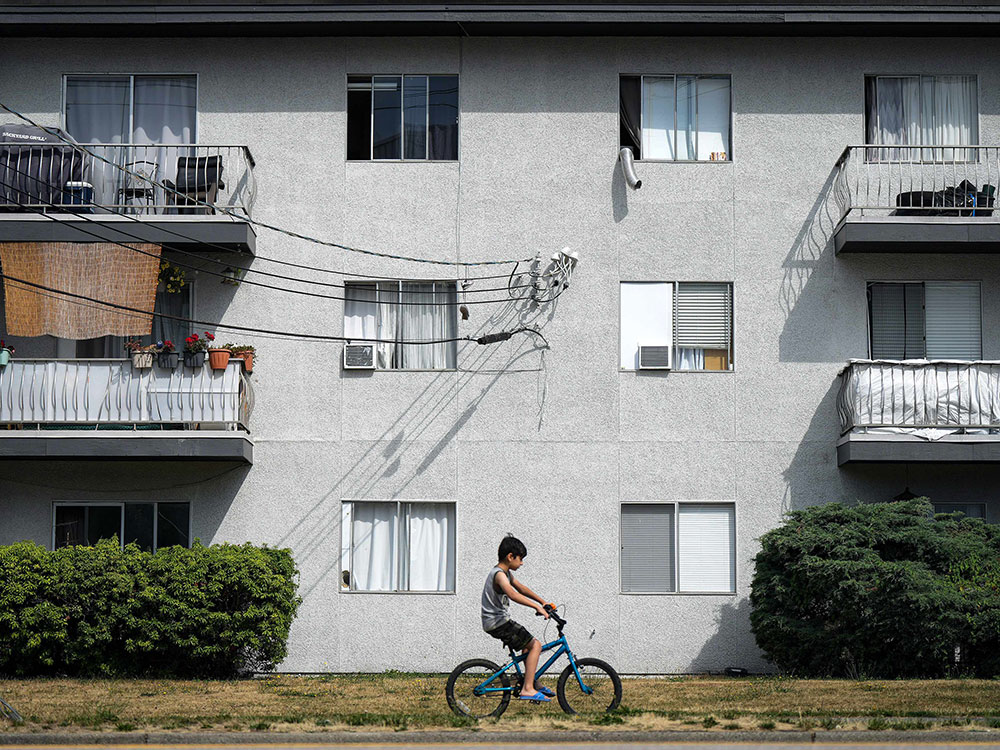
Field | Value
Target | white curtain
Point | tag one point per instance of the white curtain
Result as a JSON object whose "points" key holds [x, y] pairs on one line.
{"points": [[658, 117], [373, 555], [165, 111], [687, 117], [431, 559], [924, 110], [713, 117], [689, 359], [388, 297], [955, 115], [359, 311]]}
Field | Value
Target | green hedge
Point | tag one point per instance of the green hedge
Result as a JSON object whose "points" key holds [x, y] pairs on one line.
{"points": [[880, 590], [214, 611]]}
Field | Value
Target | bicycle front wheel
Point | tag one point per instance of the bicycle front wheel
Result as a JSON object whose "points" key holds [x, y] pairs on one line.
{"points": [[464, 698], [602, 689]]}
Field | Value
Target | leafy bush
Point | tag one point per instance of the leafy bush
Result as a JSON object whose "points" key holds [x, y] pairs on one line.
{"points": [[883, 590], [86, 611]]}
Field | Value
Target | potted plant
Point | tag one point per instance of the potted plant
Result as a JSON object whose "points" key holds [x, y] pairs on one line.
{"points": [[245, 352], [218, 356], [5, 353], [195, 348], [142, 354], [166, 357]]}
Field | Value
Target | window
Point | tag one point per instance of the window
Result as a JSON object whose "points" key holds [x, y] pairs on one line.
{"points": [[925, 320], [150, 525], [395, 312], [694, 318], [915, 110], [972, 510], [402, 117], [396, 546], [676, 117], [678, 547]]}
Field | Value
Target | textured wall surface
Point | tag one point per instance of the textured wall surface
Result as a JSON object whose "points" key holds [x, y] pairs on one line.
{"points": [[543, 445]]}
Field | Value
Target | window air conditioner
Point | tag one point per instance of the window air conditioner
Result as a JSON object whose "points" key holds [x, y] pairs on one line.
{"points": [[359, 356], [656, 357]]}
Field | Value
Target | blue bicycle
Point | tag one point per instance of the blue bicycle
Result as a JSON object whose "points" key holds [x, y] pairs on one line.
{"points": [[478, 688]]}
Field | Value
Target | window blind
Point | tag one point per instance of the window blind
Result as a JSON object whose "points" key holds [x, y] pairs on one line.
{"points": [[647, 541], [703, 315], [953, 320], [707, 547], [897, 320]]}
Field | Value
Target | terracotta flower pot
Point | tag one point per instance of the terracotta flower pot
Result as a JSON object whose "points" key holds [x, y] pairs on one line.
{"points": [[194, 359], [247, 358], [218, 359], [142, 360]]}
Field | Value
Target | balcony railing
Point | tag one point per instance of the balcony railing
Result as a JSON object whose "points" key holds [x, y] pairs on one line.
{"points": [[919, 395], [918, 181], [132, 178], [110, 394]]}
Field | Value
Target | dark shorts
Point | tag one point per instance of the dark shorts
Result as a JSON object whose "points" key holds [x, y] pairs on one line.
{"points": [[513, 635]]}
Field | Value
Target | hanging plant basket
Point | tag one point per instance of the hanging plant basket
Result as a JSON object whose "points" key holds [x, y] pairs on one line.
{"points": [[218, 359], [142, 360], [194, 359], [168, 360]]}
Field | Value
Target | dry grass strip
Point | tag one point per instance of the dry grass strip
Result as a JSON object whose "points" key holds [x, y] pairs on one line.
{"points": [[403, 701]]}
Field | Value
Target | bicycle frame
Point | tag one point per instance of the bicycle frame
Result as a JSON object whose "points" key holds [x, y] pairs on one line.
{"points": [[562, 647]]}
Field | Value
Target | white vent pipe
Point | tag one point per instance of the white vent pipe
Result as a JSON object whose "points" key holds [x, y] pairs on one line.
{"points": [[628, 168]]}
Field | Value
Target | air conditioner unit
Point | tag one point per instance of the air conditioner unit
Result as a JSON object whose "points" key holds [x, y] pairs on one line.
{"points": [[656, 357], [359, 356]]}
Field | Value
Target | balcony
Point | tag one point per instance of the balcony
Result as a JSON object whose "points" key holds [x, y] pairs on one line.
{"points": [[917, 200], [105, 409], [56, 192], [919, 411]]}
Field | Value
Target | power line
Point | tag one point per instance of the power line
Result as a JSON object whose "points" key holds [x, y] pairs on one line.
{"points": [[247, 219], [489, 338], [223, 276], [195, 240]]}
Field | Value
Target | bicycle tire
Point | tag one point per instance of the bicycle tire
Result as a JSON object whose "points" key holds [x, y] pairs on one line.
{"points": [[606, 697], [463, 702]]}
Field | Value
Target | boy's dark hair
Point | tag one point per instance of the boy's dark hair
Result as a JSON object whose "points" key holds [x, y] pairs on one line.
{"points": [[511, 545]]}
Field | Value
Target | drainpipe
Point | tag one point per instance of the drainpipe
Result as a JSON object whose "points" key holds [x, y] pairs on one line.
{"points": [[628, 168]]}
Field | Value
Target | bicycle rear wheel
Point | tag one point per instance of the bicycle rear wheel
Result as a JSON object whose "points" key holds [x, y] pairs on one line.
{"points": [[600, 678], [460, 690]]}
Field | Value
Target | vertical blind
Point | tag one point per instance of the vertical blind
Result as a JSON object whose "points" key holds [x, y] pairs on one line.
{"points": [[647, 542], [707, 547], [928, 320], [703, 315], [952, 320]]}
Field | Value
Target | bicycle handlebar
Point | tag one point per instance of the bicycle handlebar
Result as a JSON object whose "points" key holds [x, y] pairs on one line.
{"points": [[560, 622]]}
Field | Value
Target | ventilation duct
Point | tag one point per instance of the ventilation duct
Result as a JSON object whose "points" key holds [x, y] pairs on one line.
{"points": [[628, 168]]}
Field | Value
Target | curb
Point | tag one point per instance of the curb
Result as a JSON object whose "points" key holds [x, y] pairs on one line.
{"points": [[493, 738]]}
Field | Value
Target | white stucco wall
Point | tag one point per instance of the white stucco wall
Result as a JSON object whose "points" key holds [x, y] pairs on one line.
{"points": [[547, 447]]}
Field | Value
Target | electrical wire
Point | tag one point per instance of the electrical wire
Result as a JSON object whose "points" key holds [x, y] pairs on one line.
{"points": [[254, 222], [134, 219], [223, 276], [490, 338]]}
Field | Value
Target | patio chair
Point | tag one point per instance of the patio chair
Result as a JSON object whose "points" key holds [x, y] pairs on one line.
{"points": [[138, 190], [198, 179]]}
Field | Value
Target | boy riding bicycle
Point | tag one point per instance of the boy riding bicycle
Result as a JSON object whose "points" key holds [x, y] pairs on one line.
{"points": [[499, 589]]}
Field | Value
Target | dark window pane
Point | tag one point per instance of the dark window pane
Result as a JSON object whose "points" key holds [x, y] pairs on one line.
{"points": [[69, 525], [387, 122], [443, 117], [172, 524], [629, 112], [139, 525], [103, 522], [359, 117], [415, 117]]}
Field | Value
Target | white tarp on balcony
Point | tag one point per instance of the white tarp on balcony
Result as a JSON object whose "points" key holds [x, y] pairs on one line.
{"points": [[929, 399]]}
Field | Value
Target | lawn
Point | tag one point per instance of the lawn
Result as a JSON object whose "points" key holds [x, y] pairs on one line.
{"points": [[405, 701]]}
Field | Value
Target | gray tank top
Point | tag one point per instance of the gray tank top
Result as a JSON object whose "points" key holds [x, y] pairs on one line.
{"points": [[495, 601]]}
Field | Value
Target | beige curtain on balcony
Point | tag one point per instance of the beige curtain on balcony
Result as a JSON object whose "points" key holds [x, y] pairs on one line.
{"points": [[100, 271]]}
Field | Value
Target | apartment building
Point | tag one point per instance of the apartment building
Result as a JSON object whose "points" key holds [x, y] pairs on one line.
{"points": [[797, 305]]}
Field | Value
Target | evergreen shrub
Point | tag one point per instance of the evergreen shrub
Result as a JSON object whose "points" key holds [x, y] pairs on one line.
{"points": [[216, 611], [879, 590]]}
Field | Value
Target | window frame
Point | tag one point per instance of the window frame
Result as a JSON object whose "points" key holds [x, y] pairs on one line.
{"points": [[872, 154], [673, 322], [676, 548], [451, 310], [397, 564], [982, 505], [730, 153], [131, 96], [868, 308], [121, 526], [402, 119]]}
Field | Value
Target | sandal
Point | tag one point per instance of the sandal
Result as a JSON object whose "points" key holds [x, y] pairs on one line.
{"points": [[545, 691], [538, 697]]}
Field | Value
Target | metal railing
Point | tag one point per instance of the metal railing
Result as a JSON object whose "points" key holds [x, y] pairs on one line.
{"points": [[918, 395], [918, 181], [103, 392], [143, 179]]}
